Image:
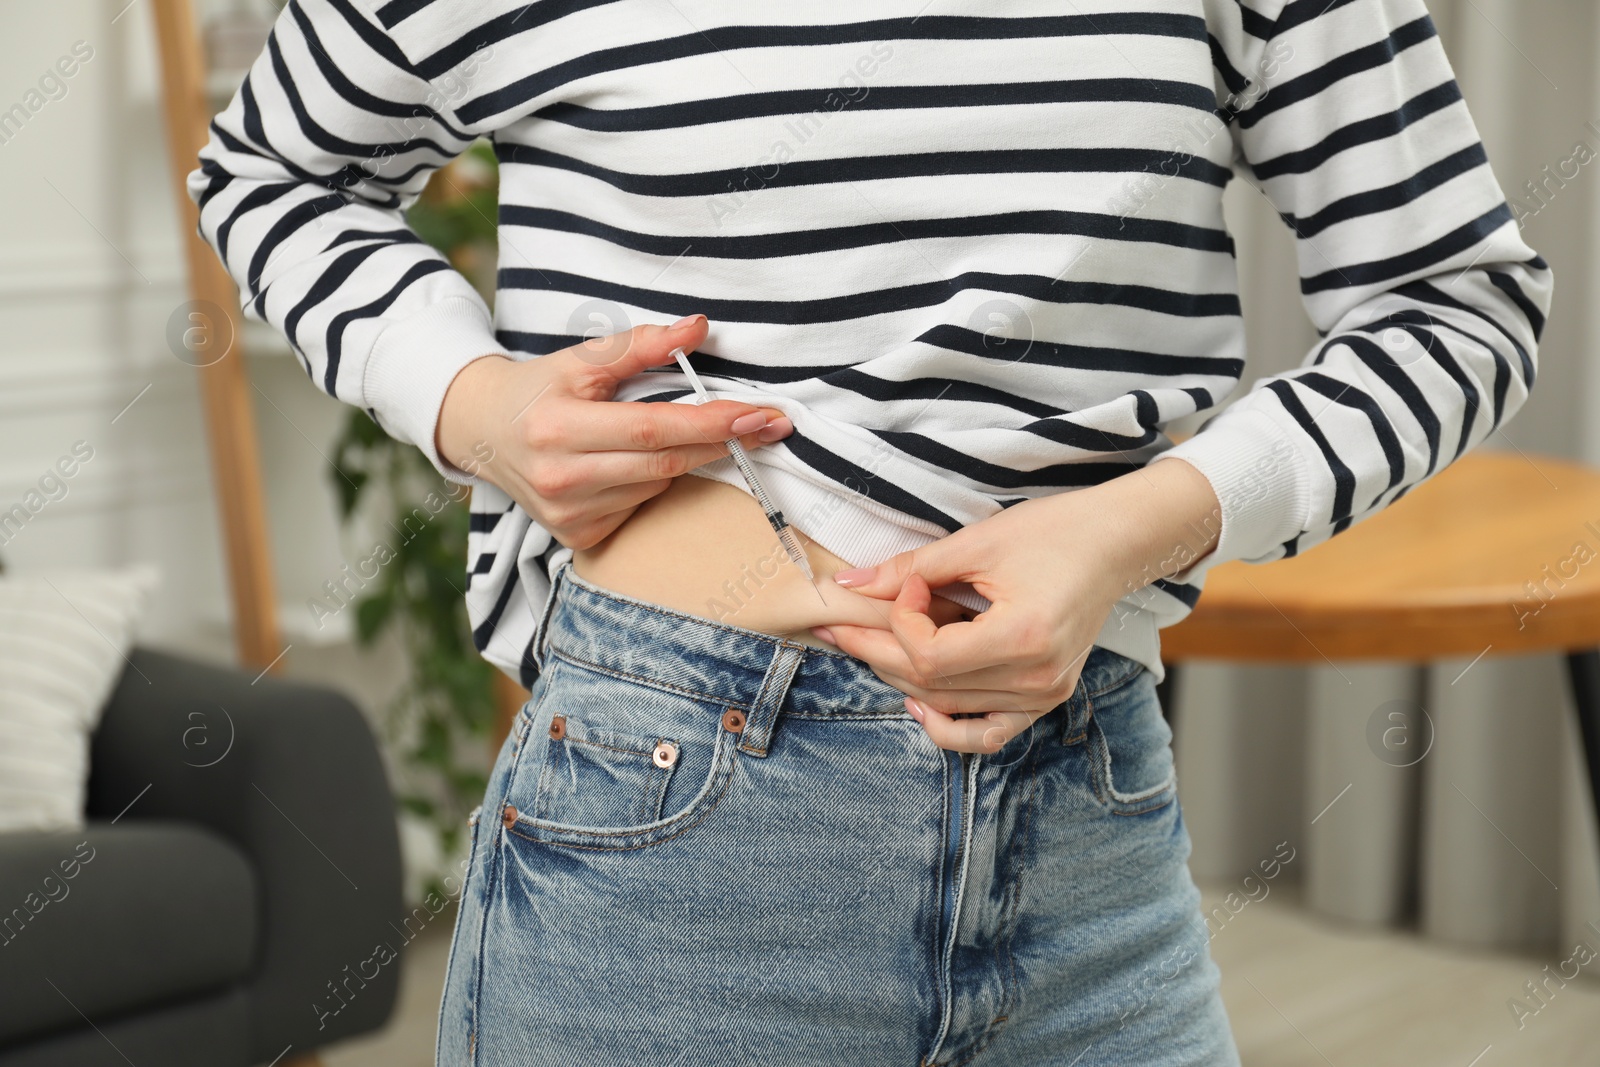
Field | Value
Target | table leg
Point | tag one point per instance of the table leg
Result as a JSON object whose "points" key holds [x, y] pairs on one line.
{"points": [[1583, 668]]}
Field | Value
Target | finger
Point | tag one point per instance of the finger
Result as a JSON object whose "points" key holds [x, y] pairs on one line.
{"points": [[952, 694], [920, 637], [957, 558], [957, 701], [603, 512], [623, 468], [884, 651], [986, 733], [997, 638], [913, 627], [591, 370], [942, 610], [623, 497], [650, 426], [941, 664], [591, 533]]}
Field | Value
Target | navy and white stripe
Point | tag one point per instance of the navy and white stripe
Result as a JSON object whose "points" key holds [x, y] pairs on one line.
{"points": [[978, 258]]}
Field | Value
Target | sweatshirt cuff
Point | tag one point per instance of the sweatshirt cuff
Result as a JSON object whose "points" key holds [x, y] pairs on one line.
{"points": [[412, 365], [1260, 479]]}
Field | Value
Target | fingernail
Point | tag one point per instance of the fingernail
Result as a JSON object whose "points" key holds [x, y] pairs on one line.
{"points": [[685, 322], [753, 421], [824, 633], [916, 712], [776, 430], [855, 576]]}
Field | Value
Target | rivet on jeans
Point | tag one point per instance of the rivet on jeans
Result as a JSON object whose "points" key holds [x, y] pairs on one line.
{"points": [[508, 817], [733, 721], [665, 755], [558, 727]]}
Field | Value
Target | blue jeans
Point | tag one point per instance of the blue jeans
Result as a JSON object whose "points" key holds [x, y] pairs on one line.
{"points": [[703, 846]]}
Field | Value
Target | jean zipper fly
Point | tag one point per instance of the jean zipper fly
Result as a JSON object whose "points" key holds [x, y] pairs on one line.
{"points": [[963, 785]]}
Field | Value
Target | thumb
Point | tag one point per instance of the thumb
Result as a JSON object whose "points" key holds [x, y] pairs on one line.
{"points": [[938, 563], [596, 366]]}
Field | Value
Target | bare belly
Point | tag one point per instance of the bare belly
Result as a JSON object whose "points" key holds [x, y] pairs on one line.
{"points": [[704, 548]]}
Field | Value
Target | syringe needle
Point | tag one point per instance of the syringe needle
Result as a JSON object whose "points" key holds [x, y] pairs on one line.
{"points": [[775, 519]]}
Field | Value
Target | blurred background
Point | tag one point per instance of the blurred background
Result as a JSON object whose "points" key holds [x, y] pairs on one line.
{"points": [[1426, 909]]}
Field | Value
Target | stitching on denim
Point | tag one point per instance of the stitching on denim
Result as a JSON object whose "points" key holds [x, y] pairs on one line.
{"points": [[700, 815], [529, 713], [761, 695], [1130, 676], [651, 811], [525, 723], [1146, 811], [860, 716], [544, 774], [476, 828], [1144, 794], [723, 763], [540, 638], [1100, 766], [936, 942], [642, 680], [681, 616], [492, 864], [1131, 799], [616, 748], [781, 672], [1092, 749], [721, 702], [1009, 1005], [532, 708], [1088, 701]]}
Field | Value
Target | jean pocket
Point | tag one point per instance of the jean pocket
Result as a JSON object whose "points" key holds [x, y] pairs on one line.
{"points": [[610, 761], [1130, 748]]}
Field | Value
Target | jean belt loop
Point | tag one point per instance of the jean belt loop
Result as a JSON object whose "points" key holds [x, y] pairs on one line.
{"points": [[1075, 715], [541, 630], [763, 717]]}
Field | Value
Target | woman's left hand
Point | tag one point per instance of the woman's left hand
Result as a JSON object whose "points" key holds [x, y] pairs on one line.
{"points": [[1052, 569]]}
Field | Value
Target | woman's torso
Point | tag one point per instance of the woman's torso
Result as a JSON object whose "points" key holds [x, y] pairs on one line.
{"points": [[703, 547], [965, 290]]}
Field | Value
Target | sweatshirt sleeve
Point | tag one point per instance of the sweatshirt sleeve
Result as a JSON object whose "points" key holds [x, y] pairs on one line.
{"points": [[1347, 116], [302, 190]]}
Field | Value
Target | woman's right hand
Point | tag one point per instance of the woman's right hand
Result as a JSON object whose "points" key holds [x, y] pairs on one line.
{"points": [[547, 432]]}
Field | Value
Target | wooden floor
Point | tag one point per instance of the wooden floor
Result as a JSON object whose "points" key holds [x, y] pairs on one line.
{"points": [[1305, 993], [1301, 993]]}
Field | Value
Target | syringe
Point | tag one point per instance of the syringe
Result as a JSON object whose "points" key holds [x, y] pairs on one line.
{"points": [[785, 532]]}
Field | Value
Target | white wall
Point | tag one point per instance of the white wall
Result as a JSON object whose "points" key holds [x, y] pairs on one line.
{"points": [[90, 273]]}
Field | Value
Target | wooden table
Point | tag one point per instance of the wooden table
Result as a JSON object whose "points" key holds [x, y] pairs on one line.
{"points": [[1497, 554]]}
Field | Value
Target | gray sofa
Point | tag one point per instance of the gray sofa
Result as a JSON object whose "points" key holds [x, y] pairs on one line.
{"points": [[240, 865]]}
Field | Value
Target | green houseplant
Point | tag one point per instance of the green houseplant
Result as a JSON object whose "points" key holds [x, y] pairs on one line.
{"points": [[446, 704]]}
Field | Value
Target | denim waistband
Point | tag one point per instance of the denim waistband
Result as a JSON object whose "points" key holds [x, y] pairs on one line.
{"points": [[762, 674]]}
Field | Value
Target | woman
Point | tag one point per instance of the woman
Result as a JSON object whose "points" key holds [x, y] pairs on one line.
{"points": [[948, 271]]}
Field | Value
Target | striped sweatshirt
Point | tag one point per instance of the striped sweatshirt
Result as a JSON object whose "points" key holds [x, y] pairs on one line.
{"points": [[974, 251]]}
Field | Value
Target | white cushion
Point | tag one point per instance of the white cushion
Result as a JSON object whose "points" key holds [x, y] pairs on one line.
{"points": [[64, 641]]}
